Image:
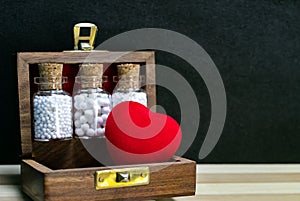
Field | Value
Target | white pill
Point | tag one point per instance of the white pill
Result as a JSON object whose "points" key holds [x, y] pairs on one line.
{"points": [[104, 117], [105, 110], [79, 98], [100, 120], [82, 105], [85, 127], [90, 103], [83, 119], [77, 105], [79, 132], [88, 113], [104, 102], [100, 131], [91, 120], [77, 114], [90, 132]]}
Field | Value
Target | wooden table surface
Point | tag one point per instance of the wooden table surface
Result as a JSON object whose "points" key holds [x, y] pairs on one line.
{"points": [[274, 182]]}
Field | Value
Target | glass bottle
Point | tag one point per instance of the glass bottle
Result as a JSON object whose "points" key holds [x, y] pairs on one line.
{"points": [[92, 105], [52, 106], [128, 87]]}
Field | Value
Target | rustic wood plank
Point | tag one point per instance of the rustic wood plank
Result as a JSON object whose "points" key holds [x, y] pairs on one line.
{"points": [[10, 175], [10, 191], [54, 154], [247, 168], [277, 197], [218, 189], [9, 169], [86, 57], [250, 178], [234, 173]]}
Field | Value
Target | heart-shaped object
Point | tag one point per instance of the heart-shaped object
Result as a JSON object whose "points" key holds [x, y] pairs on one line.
{"points": [[137, 135]]}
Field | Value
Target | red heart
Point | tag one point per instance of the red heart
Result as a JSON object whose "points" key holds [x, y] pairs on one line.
{"points": [[137, 135]]}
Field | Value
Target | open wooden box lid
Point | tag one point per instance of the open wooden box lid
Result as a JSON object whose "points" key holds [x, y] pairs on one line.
{"points": [[65, 170], [26, 71]]}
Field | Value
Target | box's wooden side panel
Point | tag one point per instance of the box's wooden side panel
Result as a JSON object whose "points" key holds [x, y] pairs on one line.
{"points": [[166, 180], [24, 106], [73, 153], [175, 180], [90, 153], [54, 154], [151, 81], [32, 181]]}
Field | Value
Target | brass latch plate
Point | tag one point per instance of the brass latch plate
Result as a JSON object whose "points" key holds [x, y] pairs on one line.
{"points": [[117, 178]]}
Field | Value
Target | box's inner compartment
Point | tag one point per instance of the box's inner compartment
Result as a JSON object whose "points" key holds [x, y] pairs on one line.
{"points": [[74, 153], [175, 160]]}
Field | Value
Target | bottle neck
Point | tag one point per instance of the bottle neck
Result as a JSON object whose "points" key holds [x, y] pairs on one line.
{"points": [[129, 84], [88, 82], [50, 83], [89, 85], [50, 86]]}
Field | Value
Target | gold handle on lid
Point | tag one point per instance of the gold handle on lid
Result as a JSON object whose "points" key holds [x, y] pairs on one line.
{"points": [[118, 178], [91, 38]]}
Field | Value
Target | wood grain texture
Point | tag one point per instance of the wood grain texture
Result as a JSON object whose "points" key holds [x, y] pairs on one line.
{"points": [[237, 197], [168, 179], [73, 153], [251, 173], [24, 105], [150, 80], [74, 57]]}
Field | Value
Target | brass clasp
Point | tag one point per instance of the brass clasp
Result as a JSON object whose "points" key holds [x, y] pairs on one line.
{"points": [[117, 178]]}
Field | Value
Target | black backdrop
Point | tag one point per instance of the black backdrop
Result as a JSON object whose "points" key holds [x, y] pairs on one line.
{"points": [[255, 45]]}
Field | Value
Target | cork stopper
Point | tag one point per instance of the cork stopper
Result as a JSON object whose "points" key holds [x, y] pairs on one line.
{"points": [[51, 75], [90, 75], [128, 75]]}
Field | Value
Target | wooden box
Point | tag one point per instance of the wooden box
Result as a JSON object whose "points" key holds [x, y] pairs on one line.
{"points": [[65, 170]]}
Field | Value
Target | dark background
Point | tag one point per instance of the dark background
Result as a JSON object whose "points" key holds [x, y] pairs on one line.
{"points": [[255, 44]]}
